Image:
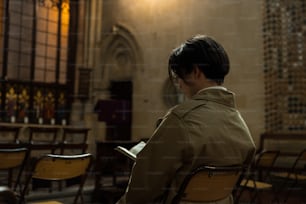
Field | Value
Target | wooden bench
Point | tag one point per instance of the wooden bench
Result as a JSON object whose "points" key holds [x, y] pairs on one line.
{"points": [[289, 145]]}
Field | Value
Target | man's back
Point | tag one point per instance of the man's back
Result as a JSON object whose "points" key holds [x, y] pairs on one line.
{"points": [[215, 127], [206, 129], [215, 132]]}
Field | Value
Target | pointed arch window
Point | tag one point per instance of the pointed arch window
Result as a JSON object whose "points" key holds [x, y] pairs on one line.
{"points": [[34, 60]]}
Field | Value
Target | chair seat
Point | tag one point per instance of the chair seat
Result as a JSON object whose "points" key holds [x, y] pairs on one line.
{"points": [[12, 163], [47, 202], [290, 176], [251, 184], [51, 167], [208, 184]]}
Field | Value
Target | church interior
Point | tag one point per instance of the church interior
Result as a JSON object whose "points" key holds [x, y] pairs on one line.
{"points": [[93, 75]]}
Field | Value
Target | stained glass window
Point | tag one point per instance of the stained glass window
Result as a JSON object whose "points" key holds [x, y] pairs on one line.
{"points": [[33, 63], [20, 39]]}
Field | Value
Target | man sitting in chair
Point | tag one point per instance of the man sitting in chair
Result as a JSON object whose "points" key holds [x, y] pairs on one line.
{"points": [[205, 129]]}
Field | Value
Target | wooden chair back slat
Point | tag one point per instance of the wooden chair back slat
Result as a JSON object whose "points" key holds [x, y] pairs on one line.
{"points": [[208, 184], [42, 135], [11, 158], [266, 159], [9, 134], [53, 167], [60, 168], [74, 139]]}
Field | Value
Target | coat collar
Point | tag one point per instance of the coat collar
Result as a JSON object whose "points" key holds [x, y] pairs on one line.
{"points": [[218, 95]]}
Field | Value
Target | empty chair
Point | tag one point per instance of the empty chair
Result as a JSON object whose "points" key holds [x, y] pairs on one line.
{"points": [[43, 138], [258, 175], [13, 159], [74, 139], [52, 167], [208, 184], [295, 175], [9, 134]]}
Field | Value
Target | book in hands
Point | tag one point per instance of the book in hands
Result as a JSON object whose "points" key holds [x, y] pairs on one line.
{"points": [[131, 153]]}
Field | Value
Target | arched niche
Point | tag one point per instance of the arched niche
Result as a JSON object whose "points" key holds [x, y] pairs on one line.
{"points": [[120, 57]]}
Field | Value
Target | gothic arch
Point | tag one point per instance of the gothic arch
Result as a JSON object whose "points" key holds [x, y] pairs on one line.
{"points": [[120, 56]]}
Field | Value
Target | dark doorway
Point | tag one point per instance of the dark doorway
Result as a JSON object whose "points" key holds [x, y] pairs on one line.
{"points": [[119, 128], [121, 90]]}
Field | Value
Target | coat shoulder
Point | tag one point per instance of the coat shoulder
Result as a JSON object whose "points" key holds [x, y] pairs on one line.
{"points": [[183, 109]]}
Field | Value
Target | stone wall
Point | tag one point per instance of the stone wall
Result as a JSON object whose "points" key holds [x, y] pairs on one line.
{"points": [[150, 29]]}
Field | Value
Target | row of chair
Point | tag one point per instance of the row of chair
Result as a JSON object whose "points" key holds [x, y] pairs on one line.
{"points": [[49, 167], [207, 184], [262, 171], [19, 155], [46, 137], [15, 132], [28, 154], [213, 183]]}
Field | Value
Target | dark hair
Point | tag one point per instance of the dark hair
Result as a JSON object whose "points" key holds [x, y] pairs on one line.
{"points": [[203, 51]]}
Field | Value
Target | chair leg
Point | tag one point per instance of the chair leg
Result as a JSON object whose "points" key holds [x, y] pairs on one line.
{"points": [[23, 193], [237, 196], [283, 189], [80, 190], [256, 196], [238, 193], [289, 191], [10, 178], [252, 195]]}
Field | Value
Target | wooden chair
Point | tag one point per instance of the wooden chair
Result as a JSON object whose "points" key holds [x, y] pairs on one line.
{"points": [[42, 134], [74, 139], [9, 134], [208, 184], [295, 175], [43, 138], [13, 159], [258, 175], [52, 167]]}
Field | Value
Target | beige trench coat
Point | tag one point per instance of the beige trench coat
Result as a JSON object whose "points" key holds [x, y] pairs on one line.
{"points": [[207, 129]]}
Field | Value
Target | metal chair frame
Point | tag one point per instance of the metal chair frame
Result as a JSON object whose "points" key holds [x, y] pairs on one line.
{"points": [[11, 130], [208, 184], [11, 159], [52, 167], [71, 132], [257, 177], [296, 174]]}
